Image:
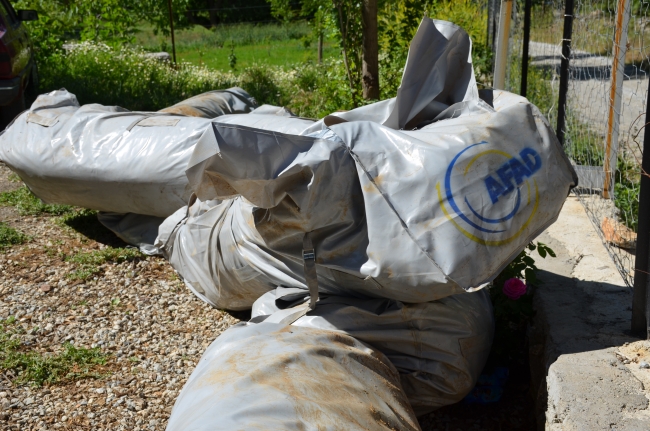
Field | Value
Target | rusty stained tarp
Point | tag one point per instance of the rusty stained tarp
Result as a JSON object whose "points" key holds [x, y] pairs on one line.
{"points": [[273, 377]]}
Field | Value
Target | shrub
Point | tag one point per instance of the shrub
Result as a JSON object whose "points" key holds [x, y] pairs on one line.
{"points": [[97, 73]]}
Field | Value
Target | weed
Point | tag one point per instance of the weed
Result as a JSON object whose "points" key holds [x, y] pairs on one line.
{"points": [[232, 58], [115, 302], [13, 178], [88, 263], [10, 236], [72, 363], [28, 204]]}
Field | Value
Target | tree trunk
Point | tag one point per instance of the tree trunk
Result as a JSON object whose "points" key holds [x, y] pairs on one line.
{"points": [[370, 71], [320, 47], [213, 14]]}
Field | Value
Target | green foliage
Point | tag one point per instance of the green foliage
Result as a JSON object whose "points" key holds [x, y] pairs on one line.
{"points": [[96, 73], [28, 204], [627, 185], [10, 236], [88, 263], [124, 77], [512, 316], [399, 20], [37, 368], [111, 21], [232, 58]]}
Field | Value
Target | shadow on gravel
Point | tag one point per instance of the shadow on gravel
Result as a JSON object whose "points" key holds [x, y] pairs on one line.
{"points": [[86, 223]]}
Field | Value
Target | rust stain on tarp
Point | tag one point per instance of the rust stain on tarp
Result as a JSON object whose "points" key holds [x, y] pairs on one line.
{"points": [[287, 369]]}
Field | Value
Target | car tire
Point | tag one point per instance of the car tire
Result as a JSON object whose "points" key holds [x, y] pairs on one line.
{"points": [[31, 91]]}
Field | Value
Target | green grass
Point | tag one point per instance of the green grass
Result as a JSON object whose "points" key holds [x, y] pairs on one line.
{"points": [[197, 36], [267, 44], [28, 204], [37, 368], [10, 236], [280, 53], [88, 263]]}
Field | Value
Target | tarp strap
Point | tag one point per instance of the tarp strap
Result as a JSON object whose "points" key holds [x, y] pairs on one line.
{"points": [[309, 261]]}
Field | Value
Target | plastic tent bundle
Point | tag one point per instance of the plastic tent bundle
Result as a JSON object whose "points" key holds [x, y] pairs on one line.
{"points": [[439, 347], [271, 376], [410, 215], [213, 104], [108, 158]]}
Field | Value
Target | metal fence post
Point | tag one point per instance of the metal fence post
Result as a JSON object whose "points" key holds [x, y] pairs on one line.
{"points": [[524, 56], [564, 69], [615, 95], [503, 38], [641, 299]]}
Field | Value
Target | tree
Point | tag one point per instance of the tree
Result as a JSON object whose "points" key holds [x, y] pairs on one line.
{"points": [[370, 69]]}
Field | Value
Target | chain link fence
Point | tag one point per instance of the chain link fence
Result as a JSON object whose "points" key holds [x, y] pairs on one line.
{"points": [[606, 103]]}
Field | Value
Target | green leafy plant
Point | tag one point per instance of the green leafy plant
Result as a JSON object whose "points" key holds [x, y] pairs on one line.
{"points": [[232, 58], [10, 236], [512, 316], [28, 204], [37, 368]]}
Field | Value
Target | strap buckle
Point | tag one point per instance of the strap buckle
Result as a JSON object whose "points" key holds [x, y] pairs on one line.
{"points": [[308, 254]]}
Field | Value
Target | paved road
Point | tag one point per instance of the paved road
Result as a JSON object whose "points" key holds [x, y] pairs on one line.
{"points": [[589, 90]]}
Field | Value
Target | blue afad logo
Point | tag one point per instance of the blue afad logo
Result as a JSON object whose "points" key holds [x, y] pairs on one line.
{"points": [[513, 173], [479, 171]]}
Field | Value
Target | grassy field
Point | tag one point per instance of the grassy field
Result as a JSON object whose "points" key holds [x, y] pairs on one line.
{"points": [[271, 44]]}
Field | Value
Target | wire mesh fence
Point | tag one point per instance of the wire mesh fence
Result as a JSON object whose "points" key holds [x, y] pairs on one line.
{"points": [[606, 102]]}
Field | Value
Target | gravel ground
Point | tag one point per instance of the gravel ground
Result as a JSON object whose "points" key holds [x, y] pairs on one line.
{"points": [[138, 312]]}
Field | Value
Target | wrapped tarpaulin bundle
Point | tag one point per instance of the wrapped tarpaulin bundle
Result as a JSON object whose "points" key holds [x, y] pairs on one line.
{"points": [[275, 377], [213, 104], [411, 215], [439, 347], [105, 158]]}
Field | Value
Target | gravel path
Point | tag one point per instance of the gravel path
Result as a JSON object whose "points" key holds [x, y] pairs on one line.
{"points": [[138, 312]]}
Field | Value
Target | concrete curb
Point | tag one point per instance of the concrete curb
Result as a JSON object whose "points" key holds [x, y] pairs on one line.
{"points": [[579, 380]]}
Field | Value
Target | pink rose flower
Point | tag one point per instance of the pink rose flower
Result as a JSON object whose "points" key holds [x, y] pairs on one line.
{"points": [[514, 288]]}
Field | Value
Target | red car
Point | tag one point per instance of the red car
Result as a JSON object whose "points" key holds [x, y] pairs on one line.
{"points": [[18, 75]]}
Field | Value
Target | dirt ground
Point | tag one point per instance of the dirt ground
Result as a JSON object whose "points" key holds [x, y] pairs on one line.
{"points": [[152, 327]]}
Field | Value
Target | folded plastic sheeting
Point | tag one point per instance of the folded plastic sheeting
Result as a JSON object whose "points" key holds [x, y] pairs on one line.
{"points": [[439, 347], [214, 104], [411, 215], [274, 377], [108, 158]]}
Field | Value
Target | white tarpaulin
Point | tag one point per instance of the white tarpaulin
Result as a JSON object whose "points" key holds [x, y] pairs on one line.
{"points": [[107, 158], [439, 347], [411, 215]]}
